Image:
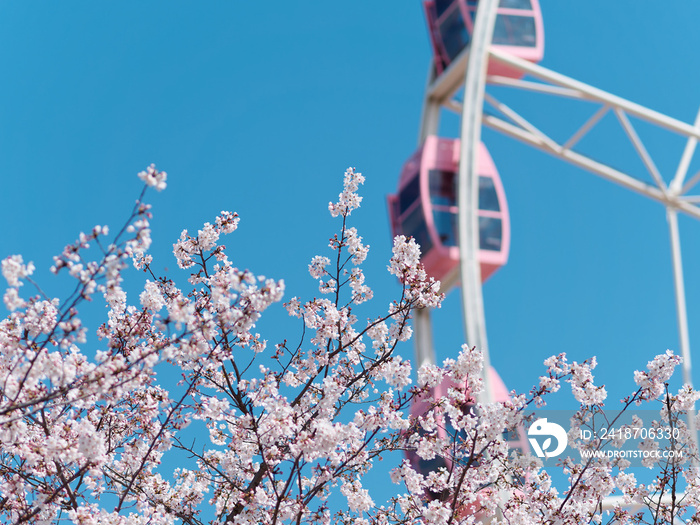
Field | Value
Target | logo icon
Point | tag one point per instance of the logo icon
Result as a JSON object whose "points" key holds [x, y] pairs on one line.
{"points": [[542, 427]]}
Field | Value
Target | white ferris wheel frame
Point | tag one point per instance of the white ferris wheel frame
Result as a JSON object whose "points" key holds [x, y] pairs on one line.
{"points": [[468, 70]]}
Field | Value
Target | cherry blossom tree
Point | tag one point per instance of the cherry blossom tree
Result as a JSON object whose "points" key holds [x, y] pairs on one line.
{"points": [[275, 432]]}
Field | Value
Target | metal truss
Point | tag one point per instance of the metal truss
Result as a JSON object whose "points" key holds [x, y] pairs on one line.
{"points": [[469, 73], [674, 195]]}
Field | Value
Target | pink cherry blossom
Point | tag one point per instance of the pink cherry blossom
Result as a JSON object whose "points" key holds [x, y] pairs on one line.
{"points": [[183, 410]]}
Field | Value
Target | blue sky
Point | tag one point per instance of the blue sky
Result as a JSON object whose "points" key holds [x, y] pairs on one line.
{"points": [[259, 108]]}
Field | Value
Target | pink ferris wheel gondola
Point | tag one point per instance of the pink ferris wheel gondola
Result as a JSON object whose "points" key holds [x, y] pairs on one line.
{"points": [[516, 440], [425, 208], [519, 31]]}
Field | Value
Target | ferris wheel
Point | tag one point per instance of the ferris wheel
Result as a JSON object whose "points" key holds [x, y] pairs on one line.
{"points": [[450, 197]]}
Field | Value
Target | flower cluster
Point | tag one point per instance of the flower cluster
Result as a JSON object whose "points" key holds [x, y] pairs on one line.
{"points": [[265, 433], [154, 178], [349, 199], [659, 371]]}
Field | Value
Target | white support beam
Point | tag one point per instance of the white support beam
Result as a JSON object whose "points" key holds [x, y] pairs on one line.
{"points": [[522, 122], [591, 93], [537, 87], [684, 163], [692, 182], [423, 331], [430, 115], [528, 133], [468, 189], [598, 168], [641, 150], [448, 83], [595, 118], [682, 315], [425, 351], [453, 105]]}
